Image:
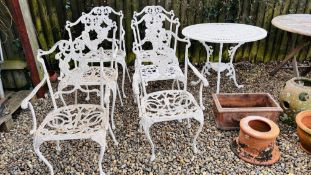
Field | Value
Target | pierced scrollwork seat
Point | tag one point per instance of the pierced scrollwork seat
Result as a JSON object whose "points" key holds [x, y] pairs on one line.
{"points": [[82, 121], [156, 59], [89, 76], [169, 105], [162, 67]]}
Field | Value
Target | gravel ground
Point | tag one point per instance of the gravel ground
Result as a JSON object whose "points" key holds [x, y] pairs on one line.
{"points": [[172, 139]]}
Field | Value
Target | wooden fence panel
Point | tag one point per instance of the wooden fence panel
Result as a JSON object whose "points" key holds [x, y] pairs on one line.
{"points": [[50, 17]]}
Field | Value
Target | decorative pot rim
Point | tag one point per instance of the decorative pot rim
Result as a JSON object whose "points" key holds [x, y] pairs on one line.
{"points": [[299, 117], [300, 78], [273, 133]]}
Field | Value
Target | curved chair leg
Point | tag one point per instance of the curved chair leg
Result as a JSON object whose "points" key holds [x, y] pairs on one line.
{"points": [[36, 145], [188, 123], [140, 128], [119, 94], [173, 84], [102, 142], [62, 99], [112, 135], [76, 96], [87, 94], [194, 143], [178, 86], [114, 95], [58, 149], [135, 84], [128, 73], [123, 79], [201, 96], [146, 130]]}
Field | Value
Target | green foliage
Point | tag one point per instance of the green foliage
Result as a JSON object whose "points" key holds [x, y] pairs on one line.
{"points": [[228, 8]]}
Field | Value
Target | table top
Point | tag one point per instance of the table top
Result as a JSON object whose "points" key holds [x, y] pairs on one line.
{"points": [[295, 23], [224, 32]]}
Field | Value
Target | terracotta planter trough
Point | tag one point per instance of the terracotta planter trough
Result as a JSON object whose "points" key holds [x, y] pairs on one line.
{"points": [[229, 108]]}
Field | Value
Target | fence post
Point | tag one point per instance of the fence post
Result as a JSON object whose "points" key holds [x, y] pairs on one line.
{"points": [[22, 31]]}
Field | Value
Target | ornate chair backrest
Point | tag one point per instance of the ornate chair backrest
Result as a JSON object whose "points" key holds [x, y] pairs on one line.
{"points": [[154, 25], [98, 27], [67, 53]]}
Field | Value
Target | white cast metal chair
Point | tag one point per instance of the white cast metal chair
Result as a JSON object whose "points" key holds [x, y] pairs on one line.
{"points": [[165, 105], [69, 121], [99, 35], [97, 22], [156, 46]]}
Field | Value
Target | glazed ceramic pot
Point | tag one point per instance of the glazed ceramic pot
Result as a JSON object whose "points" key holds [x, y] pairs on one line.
{"points": [[256, 141], [296, 96], [303, 120]]}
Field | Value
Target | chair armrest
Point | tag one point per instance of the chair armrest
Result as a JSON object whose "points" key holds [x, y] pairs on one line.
{"points": [[26, 101], [26, 104], [185, 40], [198, 74]]}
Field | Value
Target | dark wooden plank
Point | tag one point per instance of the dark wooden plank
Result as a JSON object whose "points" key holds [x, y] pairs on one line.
{"points": [[54, 19], [252, 21], [259, 22], [128, 15], [285, 45], [12, 104]]}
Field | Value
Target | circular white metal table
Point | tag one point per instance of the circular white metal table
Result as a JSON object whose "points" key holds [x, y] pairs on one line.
{"points": [[223, 33]]}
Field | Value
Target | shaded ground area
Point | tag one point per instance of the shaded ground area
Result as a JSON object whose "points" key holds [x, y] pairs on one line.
{"points": [[172, 139]]}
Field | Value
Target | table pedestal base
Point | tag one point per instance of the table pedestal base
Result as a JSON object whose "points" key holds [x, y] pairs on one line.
{"points": [[220, 66]]}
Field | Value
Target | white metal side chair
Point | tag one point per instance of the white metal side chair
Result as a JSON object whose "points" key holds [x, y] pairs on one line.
{"points": [[69, 121], [165, 105], [96, 26]]}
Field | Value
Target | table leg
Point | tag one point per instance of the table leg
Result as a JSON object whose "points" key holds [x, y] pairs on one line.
{"points": [[292, 53], [294, 50], [218, 71], [295, 67], [207, 66], [231, 70]]}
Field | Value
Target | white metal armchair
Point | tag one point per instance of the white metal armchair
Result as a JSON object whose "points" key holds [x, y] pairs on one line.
{"points": [[165, 105], [69, 121], [101, 44], [155, 47]]}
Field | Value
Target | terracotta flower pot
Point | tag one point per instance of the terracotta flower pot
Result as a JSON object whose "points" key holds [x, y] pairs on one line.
{"points": [[303, 120], [256, 141], [52, 75]]}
